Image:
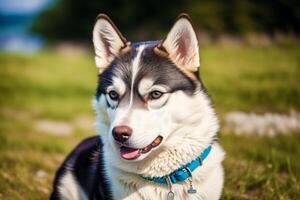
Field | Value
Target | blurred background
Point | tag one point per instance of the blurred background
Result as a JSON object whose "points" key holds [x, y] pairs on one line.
{"points": [[250, 64]]}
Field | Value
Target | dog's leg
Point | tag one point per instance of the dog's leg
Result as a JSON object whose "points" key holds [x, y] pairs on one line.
{"points": [[69, 189], [212, 189]]}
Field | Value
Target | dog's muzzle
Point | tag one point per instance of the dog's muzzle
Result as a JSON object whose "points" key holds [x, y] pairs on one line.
{"points": [[132, 153]]}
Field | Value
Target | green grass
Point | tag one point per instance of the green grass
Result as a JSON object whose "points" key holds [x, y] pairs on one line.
{"points": [[252, 79], [50, 86], [262, 168]]}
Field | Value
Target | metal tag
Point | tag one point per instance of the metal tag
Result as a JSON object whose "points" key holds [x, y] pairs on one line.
{"points": [[191, 190], [171, 195]]}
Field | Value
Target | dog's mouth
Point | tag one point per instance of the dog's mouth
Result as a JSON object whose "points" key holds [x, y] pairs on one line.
{"points": [[131, 153]]}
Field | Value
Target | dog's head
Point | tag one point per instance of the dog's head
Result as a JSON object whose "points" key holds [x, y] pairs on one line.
{"points": [[147, 91]]}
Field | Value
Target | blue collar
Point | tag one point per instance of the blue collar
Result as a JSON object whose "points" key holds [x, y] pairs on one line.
{"points": [[184, 172]]}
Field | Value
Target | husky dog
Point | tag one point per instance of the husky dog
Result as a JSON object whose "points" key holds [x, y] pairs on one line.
{"points": [[158, 128]]}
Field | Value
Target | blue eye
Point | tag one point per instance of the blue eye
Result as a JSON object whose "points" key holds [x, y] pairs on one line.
{"points": [[113, 95], [155, 94]]}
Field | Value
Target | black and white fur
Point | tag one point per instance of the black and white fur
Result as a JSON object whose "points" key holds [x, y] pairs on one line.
{"points": [[182, 116]]}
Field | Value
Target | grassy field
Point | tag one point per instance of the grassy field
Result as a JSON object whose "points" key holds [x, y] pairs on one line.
{"points": [[58, 89]]}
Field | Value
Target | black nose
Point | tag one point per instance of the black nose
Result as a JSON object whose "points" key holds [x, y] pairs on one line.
{"points": [[121, 133]]}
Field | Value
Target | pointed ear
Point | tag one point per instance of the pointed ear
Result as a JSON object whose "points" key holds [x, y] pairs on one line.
{"points": [[181, 44], [108, 41]]}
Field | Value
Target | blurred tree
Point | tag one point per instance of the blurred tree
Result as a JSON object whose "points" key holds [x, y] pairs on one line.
{"points": [[74, 19]]}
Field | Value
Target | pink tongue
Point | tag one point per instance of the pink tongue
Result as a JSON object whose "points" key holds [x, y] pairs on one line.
{"points": [[129, 153]]}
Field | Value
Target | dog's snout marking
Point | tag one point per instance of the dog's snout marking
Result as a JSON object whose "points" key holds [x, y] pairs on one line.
{"points": [[135, 69]]}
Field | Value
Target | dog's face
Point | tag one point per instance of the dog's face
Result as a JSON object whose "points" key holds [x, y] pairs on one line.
{"points": [[146, 90]]}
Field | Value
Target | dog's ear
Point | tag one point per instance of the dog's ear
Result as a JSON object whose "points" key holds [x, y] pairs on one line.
{"points": [[108, 41], [181, 44]]}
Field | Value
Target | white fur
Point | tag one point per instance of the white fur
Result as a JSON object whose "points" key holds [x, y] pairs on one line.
{"points": [[68, 188], [119, 85], [145, 86], [135, 69], [207, 179], [182, 45]]}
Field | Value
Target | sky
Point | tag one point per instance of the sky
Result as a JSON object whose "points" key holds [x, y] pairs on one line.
{"points": [[23, 7], [16, 17]]}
